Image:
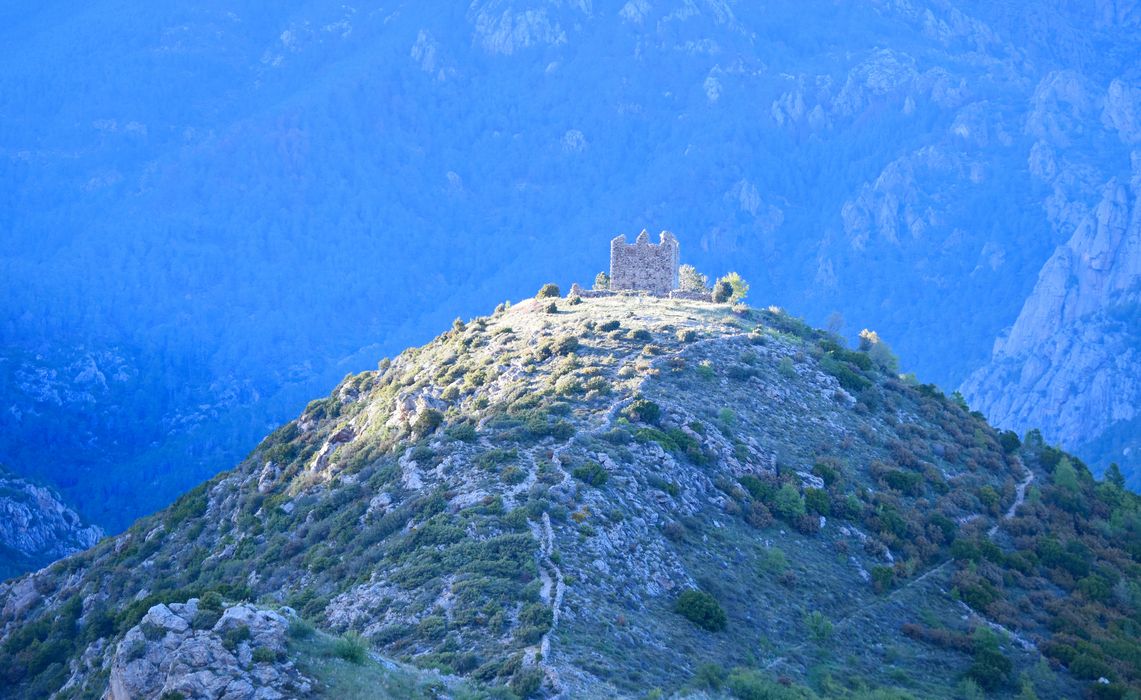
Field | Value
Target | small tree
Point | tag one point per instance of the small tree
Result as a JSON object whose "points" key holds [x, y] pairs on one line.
{"points": [[788, 503], [690, 280], [878, 351], [738, 287], [602, 281], [549, 290], [722, 292], [1114, 476]]}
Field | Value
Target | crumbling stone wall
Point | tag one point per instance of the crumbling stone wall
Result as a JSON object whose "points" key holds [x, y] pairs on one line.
{"points": [[643, 265]]}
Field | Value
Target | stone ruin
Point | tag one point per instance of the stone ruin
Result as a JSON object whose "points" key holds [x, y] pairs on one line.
{"points": [[644, 266]]}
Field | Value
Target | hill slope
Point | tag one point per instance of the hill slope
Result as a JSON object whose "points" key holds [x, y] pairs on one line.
{"points": [[604, 498]]}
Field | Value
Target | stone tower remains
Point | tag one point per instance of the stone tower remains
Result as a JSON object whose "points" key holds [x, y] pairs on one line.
{"points": [[644, 266]]}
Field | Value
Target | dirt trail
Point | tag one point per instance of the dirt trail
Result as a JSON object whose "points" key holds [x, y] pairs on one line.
{"points": [[1020, 498]]}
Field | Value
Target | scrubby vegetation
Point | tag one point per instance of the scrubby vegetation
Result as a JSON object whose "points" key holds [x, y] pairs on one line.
{"points": [[766, 499]]}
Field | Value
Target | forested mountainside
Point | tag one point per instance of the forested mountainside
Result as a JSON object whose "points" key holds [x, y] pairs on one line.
{"points": [[616, 496], [214, 210]]}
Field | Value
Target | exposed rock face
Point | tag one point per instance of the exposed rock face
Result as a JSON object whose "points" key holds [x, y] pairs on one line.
{"points": [[1069, 364], [166, 654], [36, 527]]}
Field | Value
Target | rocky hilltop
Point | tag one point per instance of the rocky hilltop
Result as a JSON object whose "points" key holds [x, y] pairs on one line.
{"points": [[609, 497], [36, 527]]}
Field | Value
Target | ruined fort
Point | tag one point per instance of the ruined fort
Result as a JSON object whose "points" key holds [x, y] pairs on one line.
{"points": [[644, 266]]}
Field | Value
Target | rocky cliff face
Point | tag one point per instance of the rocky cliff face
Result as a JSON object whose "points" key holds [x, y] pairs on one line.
{"points": [[602, 498], [187, 651], [36, 527], [1069, 363]]}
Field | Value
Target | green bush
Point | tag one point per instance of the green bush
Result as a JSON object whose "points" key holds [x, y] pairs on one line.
{"points": [[536, 615], [609, 326], [787, 502], [747, 684], [819, 626], [591, 473], [264, 655], [549, 290], [883, 577], [701, 609], [644, 411], [300, 629], [817, 501], [464, 432], [351, 647], [527, 681], [427, 422], [235, 636], [990, 669]]}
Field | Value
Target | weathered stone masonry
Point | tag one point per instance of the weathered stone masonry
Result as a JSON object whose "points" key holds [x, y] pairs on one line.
{"points": [[643, 265]]}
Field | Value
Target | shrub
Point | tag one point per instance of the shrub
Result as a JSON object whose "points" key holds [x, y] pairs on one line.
{"points": [[464, 432], [602, 281], [758, 515], [883, 577], [747, 684], [711, 676], [817, 501], [908, 483], [300, 629], [552, 308], [701, 609], [527, 681], [990, 669], [427, 422], [686, 335], [788, 503], [211, 600], [609, 326], [536, 615], [690, 280], [264, 655], [351, 647], [819, 626], [773, 560], [644, 410], [722, 292], [549, 290], [591, 473], [1087, 667], [738, 287], [235, 636]]}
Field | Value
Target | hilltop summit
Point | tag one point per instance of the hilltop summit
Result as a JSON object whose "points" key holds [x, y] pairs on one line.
{"points": [[614, 496]]}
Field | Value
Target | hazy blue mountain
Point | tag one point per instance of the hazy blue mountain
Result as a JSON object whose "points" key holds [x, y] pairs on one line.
{"points": [[213, 210]]}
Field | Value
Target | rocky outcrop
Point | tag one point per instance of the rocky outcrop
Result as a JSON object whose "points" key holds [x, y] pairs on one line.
{"points": [[176, 650], [1069, 364], [36, 527]]}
